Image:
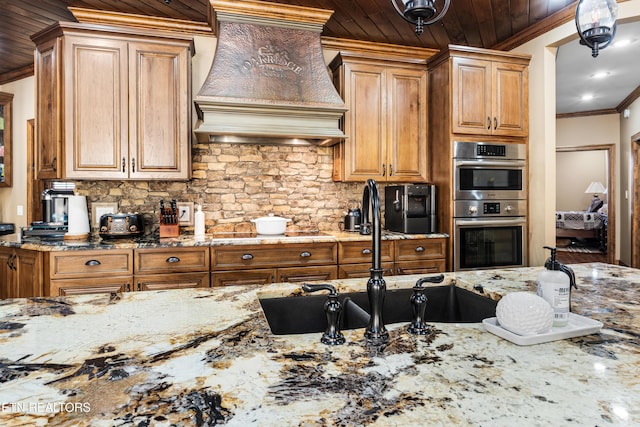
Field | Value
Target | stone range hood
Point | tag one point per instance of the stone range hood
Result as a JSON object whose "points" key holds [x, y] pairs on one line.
{"points": [[268, 82]]}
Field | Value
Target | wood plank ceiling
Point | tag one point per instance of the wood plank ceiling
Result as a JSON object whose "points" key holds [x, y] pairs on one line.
{"points": [[499, 24]]}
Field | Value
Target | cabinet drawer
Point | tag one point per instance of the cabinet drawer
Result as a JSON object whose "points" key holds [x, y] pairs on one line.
{"points": [[85, 286], [416, 249], [304, 274], [171, 260], [159, 282], [259, 256], [353, 271], [428, 266], [360, 252], [249, 277], [90, 263]]}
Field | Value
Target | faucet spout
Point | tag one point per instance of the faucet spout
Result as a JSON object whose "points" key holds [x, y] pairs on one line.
{"points": [[376, 332]]}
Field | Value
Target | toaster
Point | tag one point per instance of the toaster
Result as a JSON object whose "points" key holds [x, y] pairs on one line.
{"points": [[121, 225]]}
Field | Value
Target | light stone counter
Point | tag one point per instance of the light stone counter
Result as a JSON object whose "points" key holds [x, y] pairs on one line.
{"points": [[206, 356]]}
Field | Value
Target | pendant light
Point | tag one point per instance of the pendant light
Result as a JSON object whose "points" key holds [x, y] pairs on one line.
{"points": [[596, 23], [420, 12]]}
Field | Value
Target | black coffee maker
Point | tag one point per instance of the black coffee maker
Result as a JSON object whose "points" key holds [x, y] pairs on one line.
{"points": [[55, 209]]}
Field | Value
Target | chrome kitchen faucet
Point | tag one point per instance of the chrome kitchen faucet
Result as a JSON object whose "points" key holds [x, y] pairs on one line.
{"points": [[376, 332]]}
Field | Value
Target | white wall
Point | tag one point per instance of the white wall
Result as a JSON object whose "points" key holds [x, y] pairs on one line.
{"points": [[575, 170], [542, 134], [23, 110]]}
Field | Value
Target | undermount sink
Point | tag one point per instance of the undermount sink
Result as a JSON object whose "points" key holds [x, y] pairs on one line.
{"points": [[305, 314]]}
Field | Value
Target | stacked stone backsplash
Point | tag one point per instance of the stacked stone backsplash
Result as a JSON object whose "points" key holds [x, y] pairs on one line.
{"points": [[236, 183]]}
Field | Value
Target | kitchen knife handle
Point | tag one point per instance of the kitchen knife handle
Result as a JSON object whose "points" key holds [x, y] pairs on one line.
{"points": [[92, 262]]}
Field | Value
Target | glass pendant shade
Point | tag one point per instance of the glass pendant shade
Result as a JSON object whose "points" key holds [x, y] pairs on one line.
{"points": [[596, 23]]}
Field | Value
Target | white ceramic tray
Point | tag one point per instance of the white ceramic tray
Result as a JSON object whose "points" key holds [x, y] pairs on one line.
{"points": [[578, 326]]}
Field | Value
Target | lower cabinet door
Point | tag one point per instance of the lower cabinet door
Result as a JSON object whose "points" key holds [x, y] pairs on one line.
{"points": [[353, 271], [303, 274], [90, 286], [420, 267], [156, 282], [260, 276]]}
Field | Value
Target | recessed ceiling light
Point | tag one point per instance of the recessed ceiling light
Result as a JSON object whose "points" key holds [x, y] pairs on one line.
{"points": [[621, 43], [600, 75], [587, 97]]}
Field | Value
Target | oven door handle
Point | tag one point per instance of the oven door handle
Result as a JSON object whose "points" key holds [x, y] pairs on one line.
{"points": [[481, 163], [517, 221]]}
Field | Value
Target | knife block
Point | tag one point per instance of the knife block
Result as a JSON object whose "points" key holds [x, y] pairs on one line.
{"points": [[169, 230]]}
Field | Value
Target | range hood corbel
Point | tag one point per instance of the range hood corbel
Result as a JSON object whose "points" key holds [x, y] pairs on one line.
{"points": [[268, 82]]}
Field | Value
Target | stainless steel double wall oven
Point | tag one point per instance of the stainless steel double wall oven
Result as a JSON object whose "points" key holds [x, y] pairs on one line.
{"points": [[490, 205]]}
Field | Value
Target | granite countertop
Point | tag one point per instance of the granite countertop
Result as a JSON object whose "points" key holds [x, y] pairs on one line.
{"points": [[187, 240], [207, 356]]}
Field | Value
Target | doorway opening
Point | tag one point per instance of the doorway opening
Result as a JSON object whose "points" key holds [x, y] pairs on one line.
{"points": [[635, 217], [604, 234]]}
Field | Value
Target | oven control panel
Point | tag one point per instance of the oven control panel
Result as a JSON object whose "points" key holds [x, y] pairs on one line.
{"points": [[489, 208]]}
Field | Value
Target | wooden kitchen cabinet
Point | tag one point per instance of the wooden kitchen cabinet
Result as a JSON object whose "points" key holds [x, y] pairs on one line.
{"points": [[171, 268], [88, 271], [386, 124], [404, 256], [482, 92], [268, 263], [420, 256], [112, 103], [354, 258], [20, 273]]}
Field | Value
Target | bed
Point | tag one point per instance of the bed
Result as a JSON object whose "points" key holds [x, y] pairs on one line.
{"points": [[581, 224]]}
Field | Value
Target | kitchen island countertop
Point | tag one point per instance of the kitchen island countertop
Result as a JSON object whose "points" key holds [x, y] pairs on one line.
{"points": [[206, 356]]}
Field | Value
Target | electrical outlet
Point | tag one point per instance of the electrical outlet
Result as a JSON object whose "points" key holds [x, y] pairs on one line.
{"points": [[20, 210]]}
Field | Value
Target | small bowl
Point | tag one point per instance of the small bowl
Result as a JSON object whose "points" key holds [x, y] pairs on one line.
{"points": [[524, 313]]}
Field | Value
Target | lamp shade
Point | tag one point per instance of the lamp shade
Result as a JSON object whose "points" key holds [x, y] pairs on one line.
{"points": [[596, 23], [595, 187]]}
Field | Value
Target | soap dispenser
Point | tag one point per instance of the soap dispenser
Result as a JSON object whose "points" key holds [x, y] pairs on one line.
{"points": [[554, 285], [198, 220]]}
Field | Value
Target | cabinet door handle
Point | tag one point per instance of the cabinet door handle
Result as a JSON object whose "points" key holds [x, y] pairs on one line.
{"points": [[384, 169], [92, 262], [420, 249], [390, 170], [128, 287], [124, 165], [133, 164], [305, 254], [495, 123], [247, 257], [54, 162], [139, 286], [488, 122], [366, 251], [398, 270], [172, 259]]}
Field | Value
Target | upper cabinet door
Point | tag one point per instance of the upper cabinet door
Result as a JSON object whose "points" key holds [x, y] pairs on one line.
{"points": [[407, 107], [471, 96], [490, 98], [6, 174], [510, 99], [159, 111], [96, 107], [365, 122]]}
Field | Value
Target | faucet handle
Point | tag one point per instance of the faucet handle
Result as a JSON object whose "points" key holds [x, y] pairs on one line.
{"points": [[429, 279], [418, 307], [333, 311]]}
